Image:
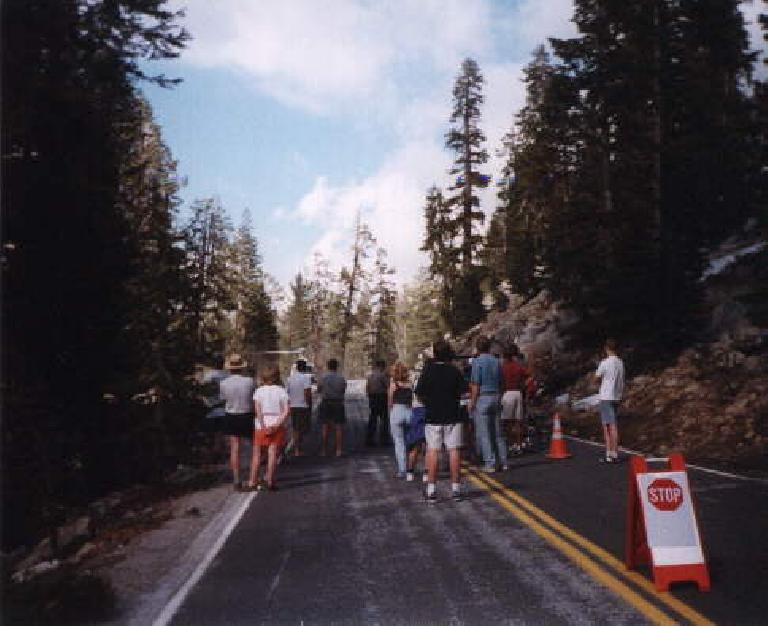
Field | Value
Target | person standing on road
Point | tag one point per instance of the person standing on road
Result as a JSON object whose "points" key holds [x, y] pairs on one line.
{"points": [[376, 387], [237, 390], [440, 388], [299, 388], [485, 386], [333, 386], [515, 376], [399, 401], [610, 374], [272, 408]]}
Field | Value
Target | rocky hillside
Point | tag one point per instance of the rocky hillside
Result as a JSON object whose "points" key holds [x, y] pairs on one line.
{"points": [[710, 401]]}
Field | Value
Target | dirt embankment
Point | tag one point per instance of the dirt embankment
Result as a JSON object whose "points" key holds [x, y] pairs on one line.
{"points": [[711, 404]]}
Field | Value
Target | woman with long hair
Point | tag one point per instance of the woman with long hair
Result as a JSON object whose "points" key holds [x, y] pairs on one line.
{"points": [[400, 401]]}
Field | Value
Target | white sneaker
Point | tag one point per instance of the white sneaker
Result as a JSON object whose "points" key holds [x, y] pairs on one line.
{"points": [[424, 477], [409, 477]]}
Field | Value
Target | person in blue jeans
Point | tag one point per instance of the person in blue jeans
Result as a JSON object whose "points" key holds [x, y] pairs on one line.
{"points": [[400, 400], [485, 388]]}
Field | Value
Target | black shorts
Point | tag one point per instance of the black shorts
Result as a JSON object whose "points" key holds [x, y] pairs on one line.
{"points": [[300, 419], [332, 412], [238, 424]]}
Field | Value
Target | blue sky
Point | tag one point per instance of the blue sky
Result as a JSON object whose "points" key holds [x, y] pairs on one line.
{"points": [[304, 111]]}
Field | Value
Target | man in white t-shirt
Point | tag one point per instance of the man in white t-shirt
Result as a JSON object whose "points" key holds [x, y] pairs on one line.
{"points": [[299, 388], [610, 373]]}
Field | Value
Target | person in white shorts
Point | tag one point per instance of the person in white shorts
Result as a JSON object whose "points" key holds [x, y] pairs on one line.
{"points": [[440, 388], [610, 373]]}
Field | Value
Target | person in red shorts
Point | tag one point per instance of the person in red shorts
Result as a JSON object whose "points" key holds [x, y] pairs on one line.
{"points": [[272, 410]]}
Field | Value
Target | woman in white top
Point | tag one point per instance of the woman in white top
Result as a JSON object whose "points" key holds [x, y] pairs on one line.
{"points": [[272, 409]]}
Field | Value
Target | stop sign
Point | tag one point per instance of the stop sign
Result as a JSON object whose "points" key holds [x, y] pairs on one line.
{"points": [[665, 494]]}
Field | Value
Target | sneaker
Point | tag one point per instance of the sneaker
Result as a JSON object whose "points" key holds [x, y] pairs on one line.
{"points": [[425, 477], [504, 468], [608, 459], [409, 477], [430, 498], [457, 495], [400, 475]]}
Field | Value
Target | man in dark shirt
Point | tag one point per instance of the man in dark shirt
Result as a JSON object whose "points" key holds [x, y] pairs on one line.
{"points": [[332, 386], [376, 387], [440, 388]]}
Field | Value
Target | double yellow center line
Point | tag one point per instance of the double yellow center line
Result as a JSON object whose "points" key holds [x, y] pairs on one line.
{"points": [[606, 569]]}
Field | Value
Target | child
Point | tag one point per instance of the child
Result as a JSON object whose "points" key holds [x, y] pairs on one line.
{"points": [[272, 410]]}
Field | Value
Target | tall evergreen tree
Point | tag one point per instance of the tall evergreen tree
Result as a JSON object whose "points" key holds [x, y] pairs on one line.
{"points": [[439, 244], [253, 324], [384, 297], [466, 140], [353, 279], [207, 235], [68, 97]]}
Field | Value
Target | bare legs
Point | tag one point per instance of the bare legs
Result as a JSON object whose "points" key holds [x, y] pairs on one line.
{"points": [[454, 458], [339, 432], [413, 456], [234, 458], [611, 435], [255, 463], [271, 464]]}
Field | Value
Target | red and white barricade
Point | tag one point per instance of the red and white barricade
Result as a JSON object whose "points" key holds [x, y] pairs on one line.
{"points": [[662, 530]]}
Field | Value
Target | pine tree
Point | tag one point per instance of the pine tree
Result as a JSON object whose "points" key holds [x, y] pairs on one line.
{"points": [[439, 243], [69, 111], [420, 321], [353, 279], [384, 297], [155, 332], [296, 325], [207, 236], [466, 139], [253, 324]]}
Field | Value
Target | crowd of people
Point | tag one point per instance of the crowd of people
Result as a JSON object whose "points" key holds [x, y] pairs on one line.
{"points": [[478, 404]]}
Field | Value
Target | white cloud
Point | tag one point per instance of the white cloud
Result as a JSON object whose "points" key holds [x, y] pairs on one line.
{"points": [[319, 54], [390, 202], [377, 62]]}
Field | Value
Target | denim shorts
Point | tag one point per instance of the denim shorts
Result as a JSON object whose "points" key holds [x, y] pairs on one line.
{"points": [[608, 410]]}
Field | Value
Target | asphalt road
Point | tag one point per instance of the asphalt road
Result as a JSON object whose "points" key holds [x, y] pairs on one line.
{"points": [[345, 542]]}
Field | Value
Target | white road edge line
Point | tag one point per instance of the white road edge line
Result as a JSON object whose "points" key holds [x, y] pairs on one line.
{"points": [[706, 470], [166, 615]]}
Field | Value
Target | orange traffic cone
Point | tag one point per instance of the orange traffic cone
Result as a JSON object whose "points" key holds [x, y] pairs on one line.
{"points": [[557, 449]]}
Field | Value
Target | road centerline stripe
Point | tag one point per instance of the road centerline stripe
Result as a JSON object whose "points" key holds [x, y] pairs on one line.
{"points": [[606, 579], [538, 516]]}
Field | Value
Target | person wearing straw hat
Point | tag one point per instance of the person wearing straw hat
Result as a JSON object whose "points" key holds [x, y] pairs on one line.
{"points": [[237, 392]]}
